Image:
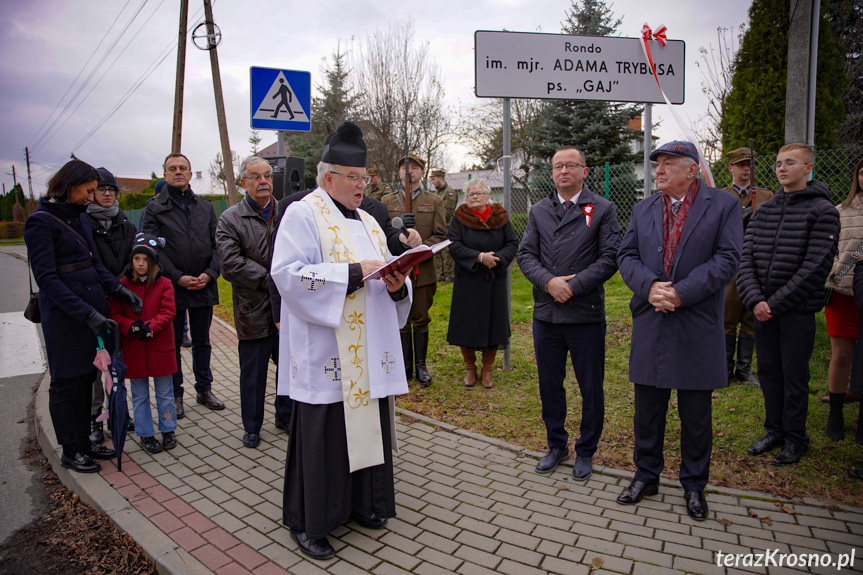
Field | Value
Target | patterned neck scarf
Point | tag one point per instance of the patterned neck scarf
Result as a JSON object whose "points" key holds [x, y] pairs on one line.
{"points": [[673, 220]]}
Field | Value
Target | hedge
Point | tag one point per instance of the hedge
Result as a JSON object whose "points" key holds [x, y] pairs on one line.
{"points": [[11, 230]]}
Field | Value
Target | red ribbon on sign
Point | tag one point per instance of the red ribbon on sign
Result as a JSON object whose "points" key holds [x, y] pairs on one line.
{"points": [[647, 34]]}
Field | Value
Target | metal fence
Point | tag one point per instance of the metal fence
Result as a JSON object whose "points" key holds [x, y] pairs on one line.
{"points": [[623, 184]]}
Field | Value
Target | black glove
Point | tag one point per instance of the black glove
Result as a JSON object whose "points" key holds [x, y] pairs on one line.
{"points": [[146, 332], [135, 327], [409, 220], [125, 294], [98, 323]]}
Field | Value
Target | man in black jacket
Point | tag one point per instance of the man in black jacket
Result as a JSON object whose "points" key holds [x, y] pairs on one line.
{"points": [[245, 235], [787, 253], [568, 252], [191, 261]]}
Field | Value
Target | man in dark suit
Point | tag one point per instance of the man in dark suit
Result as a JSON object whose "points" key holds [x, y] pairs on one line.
{"points": [[568, 252], [681, 248]]}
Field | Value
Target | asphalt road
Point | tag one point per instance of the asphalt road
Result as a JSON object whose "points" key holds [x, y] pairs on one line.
{"points": [[22, 366]]}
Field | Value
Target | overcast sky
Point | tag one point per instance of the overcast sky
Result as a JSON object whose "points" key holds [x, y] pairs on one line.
{"points": [[45, 44]]}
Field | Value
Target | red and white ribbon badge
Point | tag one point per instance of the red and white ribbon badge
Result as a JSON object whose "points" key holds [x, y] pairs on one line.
{"points": [[588, 211], [647, 34]]}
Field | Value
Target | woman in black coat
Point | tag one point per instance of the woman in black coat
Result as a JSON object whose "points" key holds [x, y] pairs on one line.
{"points": [[73, 285], [113, 235], [483, 246]]}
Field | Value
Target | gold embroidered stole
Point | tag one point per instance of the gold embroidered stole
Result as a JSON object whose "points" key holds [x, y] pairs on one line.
{"points": [[362, 413]]}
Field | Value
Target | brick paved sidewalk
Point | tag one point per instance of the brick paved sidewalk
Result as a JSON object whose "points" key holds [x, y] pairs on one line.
{"points": [[466, 504]]}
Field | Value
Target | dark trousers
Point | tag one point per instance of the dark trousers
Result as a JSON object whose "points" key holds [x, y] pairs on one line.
{"points": [[69, 405], [255, 357], [200, 319], [585, 345], [784, 345], [423, 300], [695, 409]]}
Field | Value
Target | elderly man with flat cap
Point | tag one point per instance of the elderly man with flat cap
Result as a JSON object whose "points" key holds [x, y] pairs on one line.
{"points": [[339, 349], [740, 166], [428, 217], [681, 248], [375, 189]]}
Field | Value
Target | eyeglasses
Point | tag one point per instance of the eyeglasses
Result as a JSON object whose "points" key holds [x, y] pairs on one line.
{"points": [[255, 177], [787, 164], [355, 180], [106, 191], [475, 194], [572, 166]]}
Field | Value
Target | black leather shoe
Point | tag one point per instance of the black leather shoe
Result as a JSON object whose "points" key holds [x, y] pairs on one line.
{"points": [[696, 505], [551, 460], [178, 408], [207, 399], [280, 425], [82, 463], [96, 433], [98, 451], [637, 491], [790, 454], [765, 444], [169, 440], [373, 522], [314, 548], [251, 439], [583, 468]]}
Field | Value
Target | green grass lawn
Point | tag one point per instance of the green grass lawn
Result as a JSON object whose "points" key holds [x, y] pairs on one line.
{"points": [[511, 410]]}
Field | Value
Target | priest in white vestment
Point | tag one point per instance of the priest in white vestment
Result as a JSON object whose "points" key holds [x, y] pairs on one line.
{"points": [[340, 352]]}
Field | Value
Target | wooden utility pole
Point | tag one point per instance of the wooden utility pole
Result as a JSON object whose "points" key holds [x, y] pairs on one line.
{"points": [[177, 134], [220, 107], [29, 178], [14, 178]]}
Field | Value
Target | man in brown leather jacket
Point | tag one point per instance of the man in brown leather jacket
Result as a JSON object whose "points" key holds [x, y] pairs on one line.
{"points": [[244, 237], [428, 212], [735, 312]]}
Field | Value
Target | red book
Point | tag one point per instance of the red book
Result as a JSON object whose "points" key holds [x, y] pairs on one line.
{"points": [[408, 260]]}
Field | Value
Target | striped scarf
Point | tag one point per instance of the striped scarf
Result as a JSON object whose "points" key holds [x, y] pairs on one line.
{"points": [[672, 225]]}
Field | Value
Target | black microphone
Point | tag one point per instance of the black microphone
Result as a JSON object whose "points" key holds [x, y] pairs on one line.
{"points": [[398, 224]]}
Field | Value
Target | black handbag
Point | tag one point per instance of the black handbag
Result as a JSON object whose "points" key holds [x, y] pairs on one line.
{"points": [[31, 312]]}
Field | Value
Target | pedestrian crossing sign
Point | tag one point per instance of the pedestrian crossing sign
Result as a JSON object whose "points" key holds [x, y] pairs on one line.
{"points": [[281, 99]]}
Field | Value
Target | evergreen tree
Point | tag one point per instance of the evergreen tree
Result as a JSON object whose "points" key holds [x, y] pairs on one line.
{"points": [[597, 128], [846, 24], [255, 140], [335, 105], [755, 106]]}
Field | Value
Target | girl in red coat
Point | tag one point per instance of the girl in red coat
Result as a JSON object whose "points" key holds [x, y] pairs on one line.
{"points": [[148, 342]]}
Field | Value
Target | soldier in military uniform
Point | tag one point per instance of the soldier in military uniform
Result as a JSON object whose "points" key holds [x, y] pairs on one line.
{"points": [[375, 189], [428, 218], [443, 262], [735, 312]]}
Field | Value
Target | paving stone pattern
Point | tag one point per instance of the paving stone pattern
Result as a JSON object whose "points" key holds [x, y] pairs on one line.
{"points": [[466, 504]]}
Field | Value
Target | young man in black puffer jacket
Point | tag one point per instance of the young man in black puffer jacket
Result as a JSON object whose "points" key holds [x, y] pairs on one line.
{"points": [[787, 253]]}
